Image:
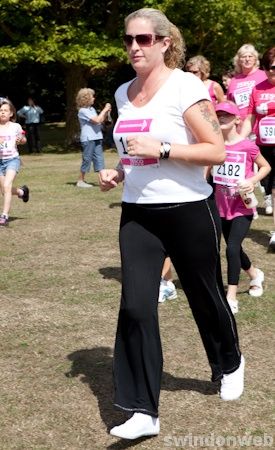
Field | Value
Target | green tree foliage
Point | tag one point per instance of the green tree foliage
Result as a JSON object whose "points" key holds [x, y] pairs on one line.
{"points": [[84, 36], [217, 28], [80, 35]]}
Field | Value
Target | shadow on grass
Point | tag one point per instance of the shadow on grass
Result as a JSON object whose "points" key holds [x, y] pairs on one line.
{"points": [[15, 218], [58, 149], [73, 183], [261, 237], [127, 444], [94, 366], [115, 205], [111, 273], [114, 273]]}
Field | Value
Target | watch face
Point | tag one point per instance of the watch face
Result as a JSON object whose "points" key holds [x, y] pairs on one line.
{"points": [[166, 146]]}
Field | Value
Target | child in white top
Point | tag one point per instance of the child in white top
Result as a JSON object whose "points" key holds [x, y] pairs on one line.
{"points": [[11, 134]]}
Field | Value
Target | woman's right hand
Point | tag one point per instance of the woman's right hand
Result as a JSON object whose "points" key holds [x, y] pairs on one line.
{"points": [[108, 107], [109, 179]]}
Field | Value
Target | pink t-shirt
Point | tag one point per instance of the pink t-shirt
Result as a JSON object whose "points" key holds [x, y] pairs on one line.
{"points": [[238, 165], [262, 105], [240, 89]]}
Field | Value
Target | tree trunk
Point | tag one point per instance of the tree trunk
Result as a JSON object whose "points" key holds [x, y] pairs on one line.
{"points": [[75, 78]]}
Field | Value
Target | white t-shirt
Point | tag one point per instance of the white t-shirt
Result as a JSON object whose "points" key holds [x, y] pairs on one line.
{"points": [[150, 180], [89, 131], [8, 135]]}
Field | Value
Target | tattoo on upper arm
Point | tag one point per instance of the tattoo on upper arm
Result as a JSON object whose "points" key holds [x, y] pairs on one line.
{"points": [[208, 115]]}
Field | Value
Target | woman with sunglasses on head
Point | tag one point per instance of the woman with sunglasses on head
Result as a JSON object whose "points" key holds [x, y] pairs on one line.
{"points": [[200, 66], [261, 119], [166, 133]]}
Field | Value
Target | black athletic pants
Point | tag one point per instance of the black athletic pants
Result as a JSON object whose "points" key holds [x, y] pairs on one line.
{"points": [[190, 234]]}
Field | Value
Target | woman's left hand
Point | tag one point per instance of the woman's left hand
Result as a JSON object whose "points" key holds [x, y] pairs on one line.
{"points": [[246, 185], [143, 146], [21, 140]]}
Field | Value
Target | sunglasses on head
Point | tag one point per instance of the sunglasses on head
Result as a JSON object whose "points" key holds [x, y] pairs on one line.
{"points": [[144, 40]]}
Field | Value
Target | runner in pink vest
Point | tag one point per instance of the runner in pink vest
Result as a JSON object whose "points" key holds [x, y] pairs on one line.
{"points": [[261, 118], [200, 66]]}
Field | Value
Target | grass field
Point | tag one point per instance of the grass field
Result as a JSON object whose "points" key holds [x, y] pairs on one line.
{"points": [[60, 289]]}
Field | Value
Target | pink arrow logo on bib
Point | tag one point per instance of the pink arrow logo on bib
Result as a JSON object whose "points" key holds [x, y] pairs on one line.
{"points": [[133, 126], [235, 157]]}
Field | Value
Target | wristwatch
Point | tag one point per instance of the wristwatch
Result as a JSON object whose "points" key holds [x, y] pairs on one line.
{"points": [[164, 151]]}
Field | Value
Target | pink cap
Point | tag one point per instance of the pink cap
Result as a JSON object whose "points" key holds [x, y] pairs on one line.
{"points": [[228, 107]]}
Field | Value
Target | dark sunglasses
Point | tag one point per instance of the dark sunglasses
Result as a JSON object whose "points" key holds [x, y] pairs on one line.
{"points": [[144, 40], [272, 68]]}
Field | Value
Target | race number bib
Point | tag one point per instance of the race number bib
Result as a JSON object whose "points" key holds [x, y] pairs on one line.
{"points": [[7, 144], [242, 96], [267, 130], [232, 170], [125, 128]]}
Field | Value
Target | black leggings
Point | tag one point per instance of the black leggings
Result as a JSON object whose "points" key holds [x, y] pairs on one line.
{"points": [[190, 234], [234, 232]]}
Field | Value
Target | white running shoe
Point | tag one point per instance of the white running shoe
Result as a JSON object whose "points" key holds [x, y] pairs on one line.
{"points": [[139, 425], [268, 204], [233, 305], [232, 385], [167, 291], [83, 184], [256, 285]]}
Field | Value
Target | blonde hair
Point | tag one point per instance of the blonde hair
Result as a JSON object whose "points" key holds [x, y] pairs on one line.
{"points": [[202, 63], [246, 48], [83, 97], [175, 54]]}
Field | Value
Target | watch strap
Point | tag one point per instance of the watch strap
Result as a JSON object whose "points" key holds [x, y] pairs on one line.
{"points": [[165, 150]]}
